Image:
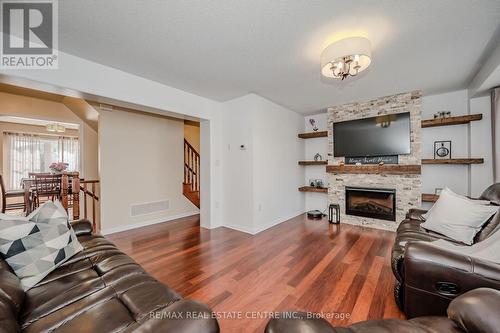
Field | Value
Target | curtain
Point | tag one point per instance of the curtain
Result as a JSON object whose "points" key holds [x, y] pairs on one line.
{"points": [[27, 153], [24, 153], [69, 152], [495, 132]]}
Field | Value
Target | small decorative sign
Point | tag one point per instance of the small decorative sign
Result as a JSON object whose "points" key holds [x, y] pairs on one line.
{"points": [[390, 159]]}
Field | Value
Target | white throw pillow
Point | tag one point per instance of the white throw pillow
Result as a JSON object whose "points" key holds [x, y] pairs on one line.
{"points": [[458, 217], [450, 192], [35, 245]]}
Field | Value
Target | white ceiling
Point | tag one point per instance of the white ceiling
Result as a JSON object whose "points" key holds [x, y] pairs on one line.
{"points": [[227, 48]]}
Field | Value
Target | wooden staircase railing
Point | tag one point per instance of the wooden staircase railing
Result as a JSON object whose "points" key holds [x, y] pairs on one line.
{"points": [[191, 166], [89, 188], [73, 188], [191, 173]]}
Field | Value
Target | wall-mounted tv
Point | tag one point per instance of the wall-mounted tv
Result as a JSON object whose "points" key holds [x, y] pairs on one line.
{"points": [[376, 136]]}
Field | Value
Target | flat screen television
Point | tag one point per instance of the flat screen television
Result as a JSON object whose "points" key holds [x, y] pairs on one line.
{"points": [[376, 136]]}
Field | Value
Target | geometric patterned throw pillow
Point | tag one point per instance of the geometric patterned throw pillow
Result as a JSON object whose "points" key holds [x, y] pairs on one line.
{"points": [[35, 245]]}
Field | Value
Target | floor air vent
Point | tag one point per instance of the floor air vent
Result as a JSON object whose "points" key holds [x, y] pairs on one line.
{"points": [[149, 208]]}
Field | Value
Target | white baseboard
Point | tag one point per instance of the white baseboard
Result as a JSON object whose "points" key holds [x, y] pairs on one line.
{"points": [[276, 222], [256, 230], [146, 223], [239, 227]]}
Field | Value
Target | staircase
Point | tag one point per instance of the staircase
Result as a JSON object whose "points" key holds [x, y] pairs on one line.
{"points": [[191, 185]]}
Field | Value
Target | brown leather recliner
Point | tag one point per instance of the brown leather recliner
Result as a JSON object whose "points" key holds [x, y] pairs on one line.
{"points": [[428, 278], [98, 290], [473, 312]]}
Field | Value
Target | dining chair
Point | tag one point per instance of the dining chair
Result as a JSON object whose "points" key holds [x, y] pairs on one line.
{"points": [[46, 186], [11, 194]]}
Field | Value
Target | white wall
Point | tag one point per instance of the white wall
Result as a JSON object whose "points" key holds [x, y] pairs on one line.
{"points": [[481, 175], [472, 140], [192, 134], [276, 174], [315, 200], [237, 163], [142, 161], [261, 180]]}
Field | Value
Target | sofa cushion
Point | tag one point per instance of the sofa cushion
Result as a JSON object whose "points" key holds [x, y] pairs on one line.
{"points": [[35, 245]]}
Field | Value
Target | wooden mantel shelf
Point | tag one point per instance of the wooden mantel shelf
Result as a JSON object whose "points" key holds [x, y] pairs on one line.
{"points": [[451, 120], [313, 189], [310, 135], [313, 162], [454, 161], [392, 169], [426, 197]]}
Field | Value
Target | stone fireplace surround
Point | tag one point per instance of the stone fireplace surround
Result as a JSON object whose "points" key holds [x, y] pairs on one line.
{"points": [[407, 185]]}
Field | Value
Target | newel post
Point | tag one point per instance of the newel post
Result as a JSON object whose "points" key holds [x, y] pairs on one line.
{"points": [[75, 191], [64, 190]]}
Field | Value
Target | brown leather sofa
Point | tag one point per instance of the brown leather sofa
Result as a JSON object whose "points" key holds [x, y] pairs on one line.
{"points": [[98, 290], [428, 278], [473, 312]]}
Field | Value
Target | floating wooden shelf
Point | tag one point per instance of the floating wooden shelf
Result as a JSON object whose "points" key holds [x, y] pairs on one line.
{"points": [[451, 120], [394, 169], [454, 161], [310, 135], [313, 189], [313, 162], [426, 197]]}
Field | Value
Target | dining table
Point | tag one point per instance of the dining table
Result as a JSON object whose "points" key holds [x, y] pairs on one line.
{"points": [[28, 184]]}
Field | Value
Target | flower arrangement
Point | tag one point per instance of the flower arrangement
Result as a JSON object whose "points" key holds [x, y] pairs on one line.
{"points": [[58, 167]]}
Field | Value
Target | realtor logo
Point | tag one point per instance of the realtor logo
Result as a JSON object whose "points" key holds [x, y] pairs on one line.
{"points": [[29, 34]]}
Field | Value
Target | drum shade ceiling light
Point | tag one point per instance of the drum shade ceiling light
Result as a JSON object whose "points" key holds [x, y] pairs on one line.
{"points": [[347, 57], [54, 127]]}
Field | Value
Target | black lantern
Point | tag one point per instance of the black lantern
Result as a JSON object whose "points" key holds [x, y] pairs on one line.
{"points": [[334, 213]]}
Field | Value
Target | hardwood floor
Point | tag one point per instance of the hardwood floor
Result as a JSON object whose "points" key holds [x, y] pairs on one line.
{"points": [[300, 265]]}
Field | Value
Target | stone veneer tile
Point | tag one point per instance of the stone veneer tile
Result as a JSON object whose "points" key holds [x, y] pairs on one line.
{"points": [[408, 187]]}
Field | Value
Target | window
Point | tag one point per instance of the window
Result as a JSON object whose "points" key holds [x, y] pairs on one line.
{"points": [[27, 153]]}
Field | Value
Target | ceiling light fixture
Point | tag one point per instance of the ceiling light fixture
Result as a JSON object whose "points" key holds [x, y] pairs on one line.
{"points": [[54, 127], [347, 57]]}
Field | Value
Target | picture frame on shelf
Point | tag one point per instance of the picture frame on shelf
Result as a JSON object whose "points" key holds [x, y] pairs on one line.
{"points": [[442, 150]]}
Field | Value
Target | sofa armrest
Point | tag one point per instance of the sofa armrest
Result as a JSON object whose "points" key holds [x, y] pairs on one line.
{"points": [[434, 276], [8, 315], [476, 311], [416, 214], [298, 322], [81, 227], [426, 264], [182, 316]]}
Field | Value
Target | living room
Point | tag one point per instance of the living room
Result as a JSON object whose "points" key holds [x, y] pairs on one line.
{"points": [[343, 175]]}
